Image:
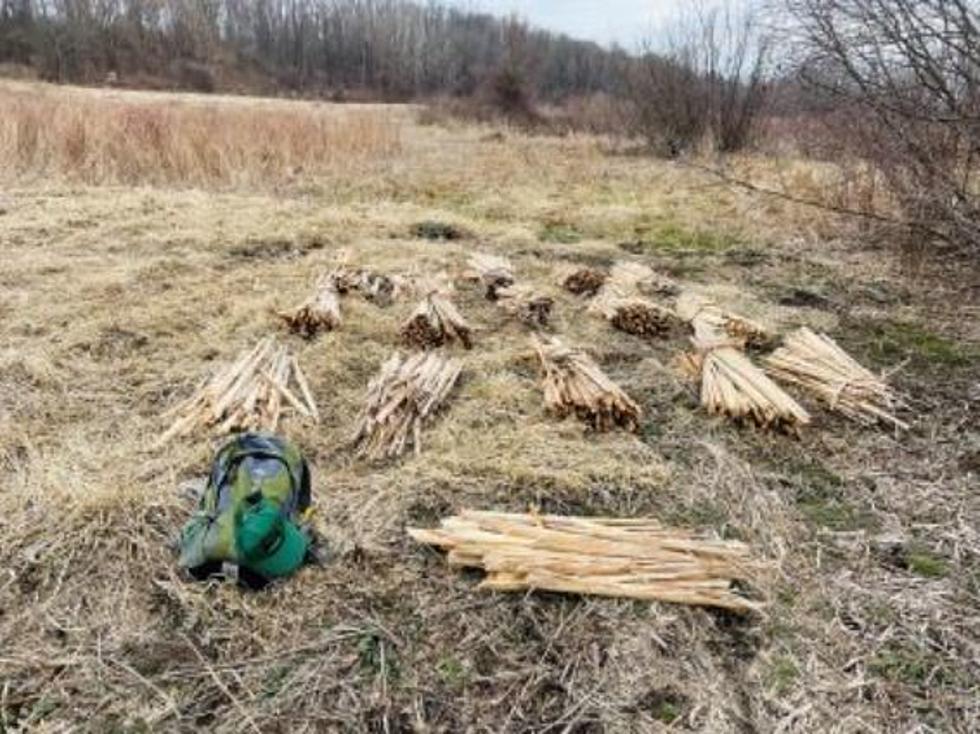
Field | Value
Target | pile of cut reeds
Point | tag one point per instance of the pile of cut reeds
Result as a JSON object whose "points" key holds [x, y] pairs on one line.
{"points": [[436, 321], [709, 321], [494, 271], [401, 398], [529, 306], [632, 278], [321, 311], [732, 385], [584, 282], [573, 382], [618, 557], [817, 364], [248, 395], [634, 315]]}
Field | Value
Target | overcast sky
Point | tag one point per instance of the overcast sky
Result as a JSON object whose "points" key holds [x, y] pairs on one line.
{"points": [[626, 22]]}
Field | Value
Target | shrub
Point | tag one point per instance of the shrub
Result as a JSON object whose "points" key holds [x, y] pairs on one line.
{"points": [[907, 75]]}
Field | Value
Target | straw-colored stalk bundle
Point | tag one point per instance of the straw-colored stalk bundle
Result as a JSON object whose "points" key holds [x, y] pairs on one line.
{"points": [[634, 315], [573, 382], [526, 304], [320, 312], [584, 282], [494, 271], [434, 322], [712, 323], [731, 385], [248, 395], [637, 559], [400, 399], [815, 363], [631, 278]]}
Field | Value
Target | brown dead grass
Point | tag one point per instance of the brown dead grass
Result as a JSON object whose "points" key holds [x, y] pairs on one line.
{"points": [[138, 139], [115, 300]]}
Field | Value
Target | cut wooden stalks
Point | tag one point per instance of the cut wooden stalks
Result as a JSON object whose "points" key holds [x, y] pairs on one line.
{"points": [[320, 312], [815, 363], [574, 383], [526, 304], [584, 282], [732, 385], [710, 322], [493, 271], [634, 315], [638, 559], [248, 395], [630, 278], [401, 398], [436, 321]]}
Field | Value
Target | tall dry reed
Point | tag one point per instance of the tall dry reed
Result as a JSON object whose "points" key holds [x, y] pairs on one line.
{"points": [[96, 138]]}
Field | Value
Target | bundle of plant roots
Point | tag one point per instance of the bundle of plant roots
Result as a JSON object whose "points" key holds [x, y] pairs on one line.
{"points": [[817, 364], [434, 322], [574, 383], [319, 312], [584, 282], [401, 398], [634, 315], [634, 558], [526, 304], [248, 395], [494, 271]]}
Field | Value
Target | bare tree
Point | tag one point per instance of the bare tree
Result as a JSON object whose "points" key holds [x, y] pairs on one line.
{"points": [[907, 73], [707, 79]]}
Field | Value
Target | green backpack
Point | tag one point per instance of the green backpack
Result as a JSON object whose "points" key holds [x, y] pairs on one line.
{"points": [[259, 485]]}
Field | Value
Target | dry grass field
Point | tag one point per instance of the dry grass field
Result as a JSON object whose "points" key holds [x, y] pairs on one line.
{"points": [[146, 239]]}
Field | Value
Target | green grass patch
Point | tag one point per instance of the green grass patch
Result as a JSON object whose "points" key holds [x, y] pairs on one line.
{"points": [[674, 238], [781, 674], [925, 563], [822, 498], [893, 341], [451, 671], [559, 233], [901, 666]]}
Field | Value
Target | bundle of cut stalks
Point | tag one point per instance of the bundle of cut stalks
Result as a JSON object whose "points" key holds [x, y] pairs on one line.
{"points": [[732, 385], [638, 559], [321, 311], [584, 282], [630, 278], [248, 395], [494, 271], [634, 315], [573, 382], [817, 364], [711, 322], [400, 399], [529, 306], [434, 322]]}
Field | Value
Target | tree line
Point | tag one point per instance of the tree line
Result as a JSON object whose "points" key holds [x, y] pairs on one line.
{"points": [[391, 49]]}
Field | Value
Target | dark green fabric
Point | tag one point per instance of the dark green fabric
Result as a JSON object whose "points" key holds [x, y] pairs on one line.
{"points": [[253, 470]]}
